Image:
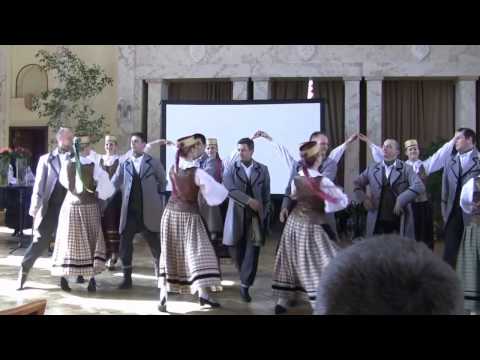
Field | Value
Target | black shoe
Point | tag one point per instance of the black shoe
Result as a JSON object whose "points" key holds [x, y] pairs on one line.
{"points": [[244, 294], [80, 279], [92, 285], [64, 284], [203, 302], [162, 307], [22, 278], [279, 309], [127, 279]]}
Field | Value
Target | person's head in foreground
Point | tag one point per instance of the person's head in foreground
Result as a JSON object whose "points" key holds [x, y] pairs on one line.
{"points": [[388, 275]]}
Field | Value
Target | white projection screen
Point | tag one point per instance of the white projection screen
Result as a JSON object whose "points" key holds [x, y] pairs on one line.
{"points": [[289, 123]]}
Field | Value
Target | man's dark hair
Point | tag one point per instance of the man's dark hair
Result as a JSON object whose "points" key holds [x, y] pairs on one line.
{"points": [[389, 275], [468, 133], [317, 133], [140, 135], [201, 137], [247, 141]]}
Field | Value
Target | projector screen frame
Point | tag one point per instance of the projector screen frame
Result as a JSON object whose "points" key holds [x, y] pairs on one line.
{"points": [[164, 103]]}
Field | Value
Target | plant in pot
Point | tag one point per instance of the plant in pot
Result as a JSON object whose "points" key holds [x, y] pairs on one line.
{"points": [[70, 104]]}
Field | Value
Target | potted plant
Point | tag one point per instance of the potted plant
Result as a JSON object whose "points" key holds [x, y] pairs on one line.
{"points": [[71, 103]]}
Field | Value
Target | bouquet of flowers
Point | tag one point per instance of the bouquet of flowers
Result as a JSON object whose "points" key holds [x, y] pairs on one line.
{"points": [[22, 153]]}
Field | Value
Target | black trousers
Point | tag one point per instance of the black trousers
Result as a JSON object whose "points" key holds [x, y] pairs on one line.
{"points": [[46, 230], [134, 226], [453, 236], [387, 227], [245, 255], [423, 219]]}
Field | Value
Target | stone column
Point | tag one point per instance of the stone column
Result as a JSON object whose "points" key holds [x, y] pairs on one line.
{"points": [[4, 95], [374, 112], [240, 88], [352, 126], [261, 89], [465, 102], [157, 91]]}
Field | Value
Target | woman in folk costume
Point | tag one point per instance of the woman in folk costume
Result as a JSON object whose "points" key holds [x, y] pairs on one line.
{"points": [[468, 261], [111, 210], [305, 248], [212, 215], [187, 260], [79, 244]]}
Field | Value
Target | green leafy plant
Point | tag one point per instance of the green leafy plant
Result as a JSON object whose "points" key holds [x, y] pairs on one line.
{"points": [[70, 104]]}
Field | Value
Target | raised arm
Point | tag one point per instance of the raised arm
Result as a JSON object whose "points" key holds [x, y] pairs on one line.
{"points": [[337, 153], [377, 152], [437, 160]]}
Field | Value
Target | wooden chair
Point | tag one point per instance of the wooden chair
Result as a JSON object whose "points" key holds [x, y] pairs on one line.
{"points": [[34, 308]]}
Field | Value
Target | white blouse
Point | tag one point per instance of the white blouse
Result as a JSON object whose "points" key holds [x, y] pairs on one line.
{"points": [[213, 192], [104, 188], [328, 187], [466, 196]]}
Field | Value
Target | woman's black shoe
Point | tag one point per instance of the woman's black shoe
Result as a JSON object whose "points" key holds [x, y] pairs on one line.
{"points": [[280, 310], [92, 285], [64, 285], [208, 302]]}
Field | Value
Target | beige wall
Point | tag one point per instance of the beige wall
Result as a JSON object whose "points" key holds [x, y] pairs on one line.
{"points": [[103, 55]]}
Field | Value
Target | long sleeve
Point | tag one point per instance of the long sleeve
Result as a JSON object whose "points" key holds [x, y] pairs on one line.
{"points": [[117, 178], [360, 184], [105, 188], [437, 161], [233, 191], [377, 152], [213, 192], [416, 187], [337, 153], [466, 196], [328, 187], [94, 156]]}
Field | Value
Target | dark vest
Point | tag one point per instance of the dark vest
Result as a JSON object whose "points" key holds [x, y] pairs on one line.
{"points": [[388, 200], [135, 201], [86, 196], [110, 170], [185, 191]]}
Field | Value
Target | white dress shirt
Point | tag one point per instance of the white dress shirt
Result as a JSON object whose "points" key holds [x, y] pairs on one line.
{"points": [[137, 162], [464, 158], [388, 168], [248, 170]]}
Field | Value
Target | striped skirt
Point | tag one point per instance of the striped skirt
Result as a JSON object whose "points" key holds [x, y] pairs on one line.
{"points": [[468, 266], [187, 259], [79, 244], [303, 252]]}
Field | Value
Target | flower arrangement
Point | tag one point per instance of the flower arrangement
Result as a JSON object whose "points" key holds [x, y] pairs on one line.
{"points": [[5, 156], [22, 153]]}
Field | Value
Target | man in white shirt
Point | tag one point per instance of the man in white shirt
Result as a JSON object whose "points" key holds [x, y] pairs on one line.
{"points": [[142, 180], [458, 169], [422, 207], [393, 186]]}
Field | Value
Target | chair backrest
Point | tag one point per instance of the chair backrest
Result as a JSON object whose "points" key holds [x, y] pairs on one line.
{"points": [[34, 308]]}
